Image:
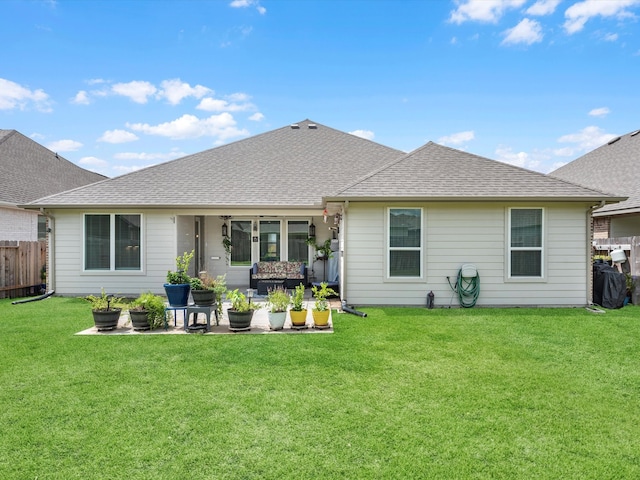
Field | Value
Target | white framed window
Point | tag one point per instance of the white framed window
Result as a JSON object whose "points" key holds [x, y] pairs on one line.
{"points": [[526, 243], [112, 242], [405, 243]]}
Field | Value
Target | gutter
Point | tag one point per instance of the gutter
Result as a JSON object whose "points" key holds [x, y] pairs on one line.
{"points": [[51, 270]]}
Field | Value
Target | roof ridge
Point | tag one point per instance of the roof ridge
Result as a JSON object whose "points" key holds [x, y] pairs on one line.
{"points": [[10, 134]]}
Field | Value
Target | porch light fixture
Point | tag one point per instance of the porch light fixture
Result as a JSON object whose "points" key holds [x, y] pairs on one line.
{"points": [[312, 230], [225, 230]]}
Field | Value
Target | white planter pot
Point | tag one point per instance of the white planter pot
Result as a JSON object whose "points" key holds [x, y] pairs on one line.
{"points": [[276, 320]]}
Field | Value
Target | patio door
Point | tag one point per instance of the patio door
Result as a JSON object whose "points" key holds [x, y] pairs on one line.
{"points": [[270, 237]]}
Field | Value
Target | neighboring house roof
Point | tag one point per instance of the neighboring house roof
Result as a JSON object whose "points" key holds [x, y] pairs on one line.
{"points": [[613, 167], [293, 166], [305, 164], [30, 171], [436, 172]]}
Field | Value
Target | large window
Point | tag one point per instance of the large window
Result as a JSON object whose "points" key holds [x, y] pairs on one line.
{"points": [[269, 240], [526, 242], [297, 233], [240, 243], [112, 242], [405, 242]]}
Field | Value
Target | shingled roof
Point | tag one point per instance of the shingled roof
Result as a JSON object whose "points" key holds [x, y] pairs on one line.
{"points": [[613, 167], [293, 166], [30, 171], [436, 172]]}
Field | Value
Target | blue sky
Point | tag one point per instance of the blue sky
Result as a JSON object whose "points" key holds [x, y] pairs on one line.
{"points": [[118, 85]]}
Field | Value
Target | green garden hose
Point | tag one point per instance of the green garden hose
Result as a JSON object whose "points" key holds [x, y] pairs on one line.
{"points": [[468, 289]]}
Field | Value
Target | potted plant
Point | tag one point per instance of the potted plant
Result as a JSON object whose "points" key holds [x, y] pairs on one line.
{"points": [[321, 308], [178, 286], [241, 311], [105, 315], [147, 312], [297, 312], [277, 303], [322, 251], [202, 290]]}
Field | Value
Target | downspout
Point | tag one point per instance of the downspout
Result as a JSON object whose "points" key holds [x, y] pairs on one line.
{"points": [[589, 225], [342, 251], [51, 268]]}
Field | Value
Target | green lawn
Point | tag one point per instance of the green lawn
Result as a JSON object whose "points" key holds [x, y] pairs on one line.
{"points": [[403, 393]]}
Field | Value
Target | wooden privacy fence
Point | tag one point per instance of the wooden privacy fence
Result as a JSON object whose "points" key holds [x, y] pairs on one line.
{"points": [[630, 245], [21, 265]]}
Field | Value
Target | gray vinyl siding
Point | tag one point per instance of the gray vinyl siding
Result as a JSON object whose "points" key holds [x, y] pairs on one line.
{"points": [[458, 233], [159, 247]]}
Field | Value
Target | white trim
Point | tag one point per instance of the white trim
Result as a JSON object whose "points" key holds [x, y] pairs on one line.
{"points": [[112, 245], [389, 249], [541, 248]]}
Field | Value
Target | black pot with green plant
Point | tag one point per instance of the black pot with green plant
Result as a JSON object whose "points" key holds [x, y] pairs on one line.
{"points": [[147, 312], [105, 314], [241, 312]]}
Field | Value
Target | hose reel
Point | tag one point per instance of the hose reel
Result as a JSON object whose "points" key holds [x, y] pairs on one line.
{"points": [[467, 285]]}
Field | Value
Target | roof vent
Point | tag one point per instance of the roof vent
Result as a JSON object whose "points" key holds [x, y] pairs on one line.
{"points": [[313, 125], [611, 142], [295, 125], [635, 133]]}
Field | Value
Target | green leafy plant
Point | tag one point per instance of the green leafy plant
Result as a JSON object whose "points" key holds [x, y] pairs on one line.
{"points": [[239, 301], [277, 300], [297, 299], [220, 287], [103, 303], [226, 243], [154, 306], [180, 276], [323, 250], [320, 294]]}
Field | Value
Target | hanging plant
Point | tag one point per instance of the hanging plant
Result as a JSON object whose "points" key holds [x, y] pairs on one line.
{"points": [[226, 243]]}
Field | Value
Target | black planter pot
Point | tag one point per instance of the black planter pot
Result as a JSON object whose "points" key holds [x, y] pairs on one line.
{"points": [[239, 321], [139, 320], [106, 319], [203, 297], [178, 295]]}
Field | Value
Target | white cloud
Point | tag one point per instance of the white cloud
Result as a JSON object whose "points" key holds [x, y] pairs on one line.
{"points": [[457, 138], [578, 14], [610, 37], [248, 3], [587, 139], [218, 105], [13, 95], [93, 162], [256, 117], [221, 126], [81, 98], [64, 146], [149, 157], [366, 134], [519, 159], [122, 169], [117, 136], [543, 7], [96, 81], [482, 10], [137, 91], [599, 112], [175, 90], [527, 31]]}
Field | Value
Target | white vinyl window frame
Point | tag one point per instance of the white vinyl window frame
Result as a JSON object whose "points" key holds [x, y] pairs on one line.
{"points": [[541, 249], [112, 244], [389, 248]]}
